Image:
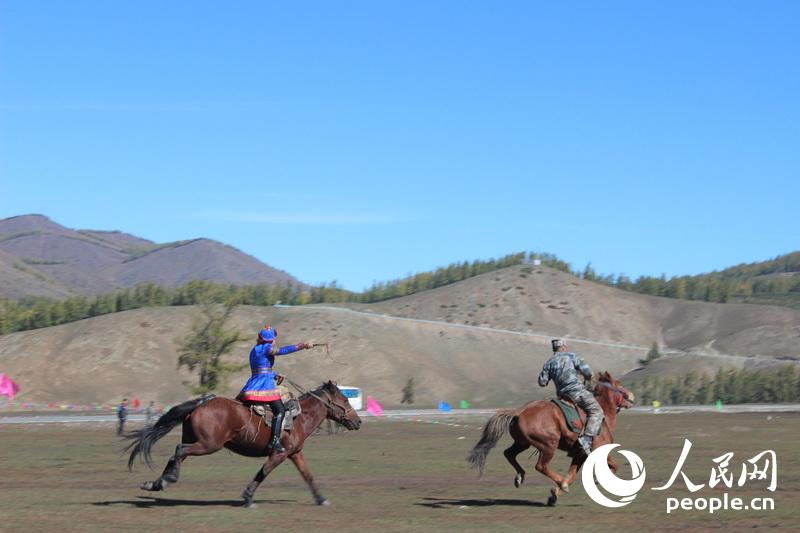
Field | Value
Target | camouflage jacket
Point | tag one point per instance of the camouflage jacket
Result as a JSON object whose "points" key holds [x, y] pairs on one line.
{"points": [[563, 369]]}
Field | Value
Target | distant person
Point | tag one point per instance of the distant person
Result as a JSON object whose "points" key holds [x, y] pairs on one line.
{"points": [[149, 413], [122, 415], [262, 386], [563, 368]]}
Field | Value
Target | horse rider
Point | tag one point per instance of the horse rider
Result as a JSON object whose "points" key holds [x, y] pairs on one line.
{"points": [[262, 387], [563, 368]]}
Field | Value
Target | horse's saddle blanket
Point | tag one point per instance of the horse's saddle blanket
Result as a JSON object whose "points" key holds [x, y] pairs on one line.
{"points": [[576, 418], [293, 410]]}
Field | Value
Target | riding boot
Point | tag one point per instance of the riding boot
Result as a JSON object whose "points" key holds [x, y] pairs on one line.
{"points": [[277, 432]]}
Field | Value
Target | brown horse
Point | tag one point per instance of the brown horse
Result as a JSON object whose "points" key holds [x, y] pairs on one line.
{"points": [[541, 424], [210, 424]]}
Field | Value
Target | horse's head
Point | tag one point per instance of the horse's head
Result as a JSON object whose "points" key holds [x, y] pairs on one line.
{"points": [[339, 409], [621, 397]]}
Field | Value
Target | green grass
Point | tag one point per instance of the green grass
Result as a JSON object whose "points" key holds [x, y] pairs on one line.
{"points": [[390, 476]]}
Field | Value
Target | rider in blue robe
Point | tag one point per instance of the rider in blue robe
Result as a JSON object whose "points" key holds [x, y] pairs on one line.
{"points": [[262, 387]]}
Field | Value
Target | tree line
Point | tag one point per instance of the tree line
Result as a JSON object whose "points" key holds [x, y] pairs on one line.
{"points": [[31, 313], [775, 281], [727, 385]]}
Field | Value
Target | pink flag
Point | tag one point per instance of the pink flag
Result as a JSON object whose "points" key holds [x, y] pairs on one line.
{"points": [[373, 407], [8, 387]]}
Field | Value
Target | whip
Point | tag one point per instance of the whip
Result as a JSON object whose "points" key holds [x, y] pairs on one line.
{"points": [[328, 351]]}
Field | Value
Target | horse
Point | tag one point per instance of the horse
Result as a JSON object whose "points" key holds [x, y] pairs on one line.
{"points": [[212, 423], [541, 424]]}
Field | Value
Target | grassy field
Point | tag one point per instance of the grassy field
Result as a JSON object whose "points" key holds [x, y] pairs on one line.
{"points": [[393, 475]]}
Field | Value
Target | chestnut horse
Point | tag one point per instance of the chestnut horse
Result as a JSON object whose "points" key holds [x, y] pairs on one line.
{"points": [[541, 424], [210, 424]]}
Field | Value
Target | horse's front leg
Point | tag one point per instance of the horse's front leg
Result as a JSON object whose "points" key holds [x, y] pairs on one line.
{"points": [[300, 462], [577, 461], [612, 464], [268, 466], [546, 455]]}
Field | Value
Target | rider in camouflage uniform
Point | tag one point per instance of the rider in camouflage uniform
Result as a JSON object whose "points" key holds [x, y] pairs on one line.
{"points": [[563, 368]]}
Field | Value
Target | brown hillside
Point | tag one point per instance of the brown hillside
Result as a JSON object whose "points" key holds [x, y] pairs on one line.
{"points": [[546, 300], [134, 354]]}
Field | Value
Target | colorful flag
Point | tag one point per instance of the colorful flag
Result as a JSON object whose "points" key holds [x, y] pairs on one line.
{"points": [[8, 387], [464, 404], [373, 407], [444, 406]]}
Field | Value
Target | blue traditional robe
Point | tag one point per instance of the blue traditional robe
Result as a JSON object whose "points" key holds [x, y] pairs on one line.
{"points": [[261, 387]]}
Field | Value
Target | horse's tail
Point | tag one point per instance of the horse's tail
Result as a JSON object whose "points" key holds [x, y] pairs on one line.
{"points": [[495, 428], [144, 439]]}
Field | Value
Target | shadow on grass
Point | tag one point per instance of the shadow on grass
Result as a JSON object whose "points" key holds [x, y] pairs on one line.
{"points": [[448, 503], [146, 502]]}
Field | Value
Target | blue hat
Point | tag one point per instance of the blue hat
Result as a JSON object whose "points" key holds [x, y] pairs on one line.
{"points": [[268, 334]]}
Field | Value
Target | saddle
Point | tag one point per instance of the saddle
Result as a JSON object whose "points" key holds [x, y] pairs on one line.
{"points": [[290, 403], [575, 416]]}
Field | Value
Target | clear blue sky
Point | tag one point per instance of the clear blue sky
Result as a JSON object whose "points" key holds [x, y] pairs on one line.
{"points": [[363, 141]]}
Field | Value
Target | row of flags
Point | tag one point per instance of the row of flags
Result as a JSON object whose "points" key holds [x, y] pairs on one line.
{"points": [[10, 389], [376, 409]]}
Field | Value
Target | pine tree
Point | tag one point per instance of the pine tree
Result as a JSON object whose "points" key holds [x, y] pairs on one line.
{"points": [[651, 356], [589, 273], [408, 392], [204, 347]]}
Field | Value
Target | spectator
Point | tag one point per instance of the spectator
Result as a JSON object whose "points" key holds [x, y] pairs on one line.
{"points": [[122, 415]]}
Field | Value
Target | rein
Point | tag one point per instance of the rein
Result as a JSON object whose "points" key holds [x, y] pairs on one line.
{"points": [[612, 387], [327, 402]]}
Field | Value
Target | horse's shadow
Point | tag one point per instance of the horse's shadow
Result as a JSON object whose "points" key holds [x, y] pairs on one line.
{"points": [[449, 503], [147, 502]]}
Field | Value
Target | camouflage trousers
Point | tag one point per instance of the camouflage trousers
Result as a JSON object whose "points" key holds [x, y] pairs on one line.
{"points": [[585, 400]]}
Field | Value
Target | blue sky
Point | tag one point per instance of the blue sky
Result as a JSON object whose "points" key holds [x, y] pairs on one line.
{"points": [[364, 141]]}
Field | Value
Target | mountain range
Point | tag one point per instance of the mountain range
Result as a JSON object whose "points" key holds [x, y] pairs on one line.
{"points": [[39, 257]]}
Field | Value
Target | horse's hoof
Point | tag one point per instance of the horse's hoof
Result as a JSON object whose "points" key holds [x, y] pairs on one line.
{"points": [[150, 486], [564, 486], [249, 505], [519, 480], [324, 503], [551, 501]]}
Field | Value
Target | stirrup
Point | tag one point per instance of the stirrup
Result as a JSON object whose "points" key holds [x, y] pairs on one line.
{"points": [[275, 446]]}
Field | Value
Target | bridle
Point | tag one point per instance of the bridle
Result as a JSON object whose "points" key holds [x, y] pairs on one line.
{"points": [[616, 390]]}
